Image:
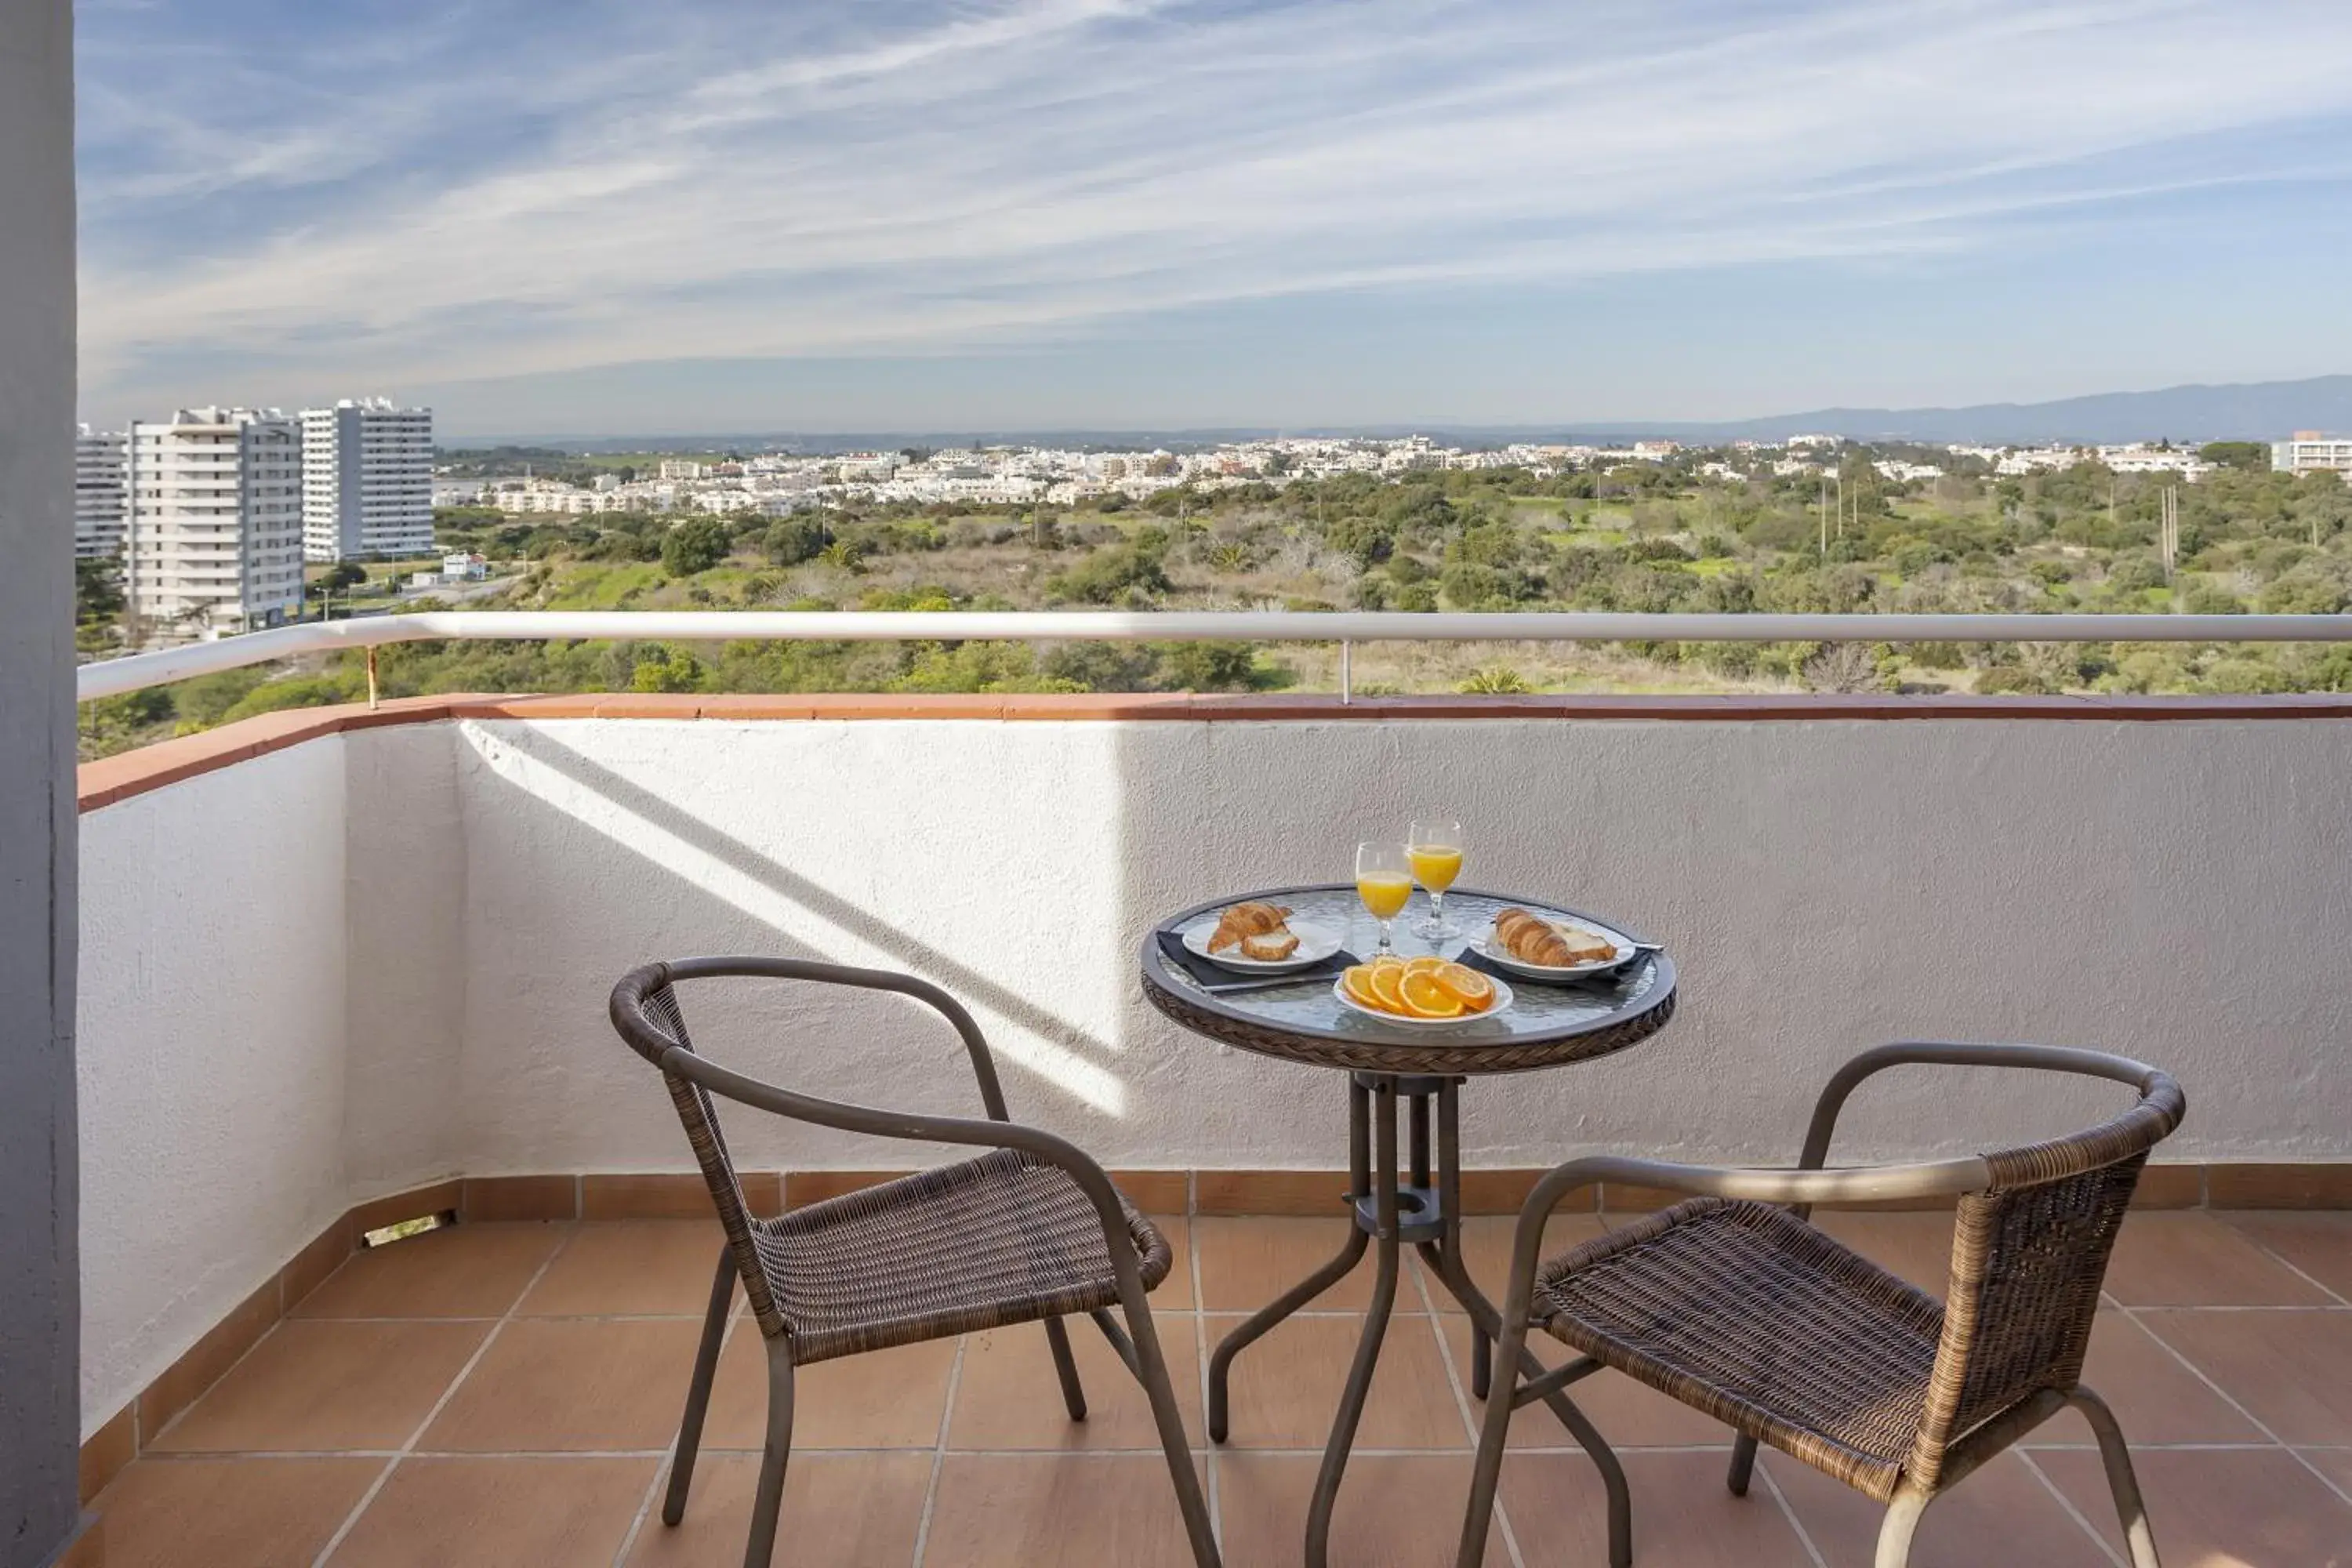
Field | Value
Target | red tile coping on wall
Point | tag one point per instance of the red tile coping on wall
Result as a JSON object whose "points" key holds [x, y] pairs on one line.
{"points": [[118, 778]]}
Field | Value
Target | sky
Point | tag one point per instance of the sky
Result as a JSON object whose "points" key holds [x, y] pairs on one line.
{"points": [[605, 217]]}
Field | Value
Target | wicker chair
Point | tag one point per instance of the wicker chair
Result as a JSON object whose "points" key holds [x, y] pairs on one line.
{"points": [[1032, 1232], [1742, 1309]]}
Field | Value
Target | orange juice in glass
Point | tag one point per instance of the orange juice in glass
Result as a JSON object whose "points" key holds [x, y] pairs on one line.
{"points": [[1433, 847], [1384, 881]]}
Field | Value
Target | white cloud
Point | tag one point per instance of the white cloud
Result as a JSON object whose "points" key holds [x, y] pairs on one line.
{"points": [[998, 172]]}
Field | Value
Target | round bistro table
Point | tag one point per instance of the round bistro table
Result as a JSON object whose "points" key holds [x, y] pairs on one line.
{"points": [[1302, 1021]]}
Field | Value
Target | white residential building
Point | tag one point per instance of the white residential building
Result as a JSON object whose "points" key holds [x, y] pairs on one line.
{"points": [[367, 481], [216, 536], [2312, 452], [101, 492]]}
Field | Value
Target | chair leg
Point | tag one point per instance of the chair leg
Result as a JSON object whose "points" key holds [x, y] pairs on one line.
{"points": [[2121, 1482], [1486, 1471], [1895, 1530], [1074, 1393], [1743, 1464], [1151, 1371], [697, 1393], [769, 1500]]}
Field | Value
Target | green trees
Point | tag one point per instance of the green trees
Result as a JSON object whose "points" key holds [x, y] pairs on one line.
{"points": [[796, 539], [2251, 456], [695, 545]]}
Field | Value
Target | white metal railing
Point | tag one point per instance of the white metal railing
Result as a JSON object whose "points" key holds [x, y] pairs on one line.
{"points": [[111, 677]]}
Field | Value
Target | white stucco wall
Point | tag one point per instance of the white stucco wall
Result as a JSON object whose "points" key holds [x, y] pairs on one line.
{"points": [[374, 961], [2169, 890], [211, 1056]]}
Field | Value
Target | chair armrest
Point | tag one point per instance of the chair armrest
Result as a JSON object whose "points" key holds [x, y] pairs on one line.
{"points": [[914, 1126], [1952, 1053], [1858, 1184], [975, 1044]]}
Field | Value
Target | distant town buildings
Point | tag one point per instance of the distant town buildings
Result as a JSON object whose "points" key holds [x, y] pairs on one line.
{"points": [[101, 492], [2312, 452], [215, 521], [367, 481]]}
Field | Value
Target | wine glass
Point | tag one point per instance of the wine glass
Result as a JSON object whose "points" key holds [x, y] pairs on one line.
{"points": [[1435, 849], [1384, 881]]}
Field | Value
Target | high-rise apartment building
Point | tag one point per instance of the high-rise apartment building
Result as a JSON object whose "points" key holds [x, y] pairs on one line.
{"points": [[215, 521], [367, 481], [102, 497]]}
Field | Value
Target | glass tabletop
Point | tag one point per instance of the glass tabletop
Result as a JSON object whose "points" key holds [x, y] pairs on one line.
{"points": [[1539, 1010]]}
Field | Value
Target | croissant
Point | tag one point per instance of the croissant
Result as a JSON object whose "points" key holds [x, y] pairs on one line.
{"points": [[1245, 919], [1532, 940]]}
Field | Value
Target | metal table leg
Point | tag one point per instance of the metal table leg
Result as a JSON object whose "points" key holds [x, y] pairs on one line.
{"points": [[1444, 1258], [1390, 1206], [1254, 1327]]}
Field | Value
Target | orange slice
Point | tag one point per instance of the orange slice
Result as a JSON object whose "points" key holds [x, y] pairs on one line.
{"points": [[1386, 981], [1426, 998], [1356, 982], [1427, 963], [1467, 985]]}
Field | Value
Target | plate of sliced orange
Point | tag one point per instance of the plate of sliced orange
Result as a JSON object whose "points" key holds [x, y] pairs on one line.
{"points": [[1426, 992]]}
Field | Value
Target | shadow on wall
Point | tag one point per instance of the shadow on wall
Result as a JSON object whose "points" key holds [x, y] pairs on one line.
{"points": [[663, 872]]}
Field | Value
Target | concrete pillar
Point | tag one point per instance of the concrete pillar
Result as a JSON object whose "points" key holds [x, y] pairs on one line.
{"points": [[40, 1286]]}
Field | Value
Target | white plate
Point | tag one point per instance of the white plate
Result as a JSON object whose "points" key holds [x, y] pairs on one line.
{"points": [[1492, 953], [1502, 1004], [1317, 943]]}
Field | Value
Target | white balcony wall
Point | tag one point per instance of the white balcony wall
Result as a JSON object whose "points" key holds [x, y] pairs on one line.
{"points": [[380, 959], [210, 1052]]}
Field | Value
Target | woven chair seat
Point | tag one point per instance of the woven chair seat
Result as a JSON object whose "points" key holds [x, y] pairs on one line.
{"points": [[979, 1245], [1747, 1313]]}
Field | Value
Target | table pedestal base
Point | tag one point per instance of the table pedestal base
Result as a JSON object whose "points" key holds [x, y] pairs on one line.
{"points": [[1390, 1210]]}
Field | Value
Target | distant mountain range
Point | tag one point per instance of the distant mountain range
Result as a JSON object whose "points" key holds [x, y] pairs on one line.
{"points": [[2252, 411]]}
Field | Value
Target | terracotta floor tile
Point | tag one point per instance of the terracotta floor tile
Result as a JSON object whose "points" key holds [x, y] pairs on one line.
{"points": [[2002, 1513], [258, 1513], [2155, 1398], [1395, 1511], [2292, 1370], [552, 1385], [631, 1267], [2334, 1463], [2320, 1244], [995, 1511], [2194, 1260], [1683, 1517], [464, 1271], [1630, 1414], [1245, 1263], [889, 1399], [2245, 1508], [1175, 1292], [1285, 1387], [1914, 1246], [321, 1386], [1486, 1248], [498, 1513], [1008, 1395], [843, 1510]]}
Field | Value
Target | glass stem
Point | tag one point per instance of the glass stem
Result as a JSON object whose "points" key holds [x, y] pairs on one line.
{"points": [[1386, 945], [1437, 907]]}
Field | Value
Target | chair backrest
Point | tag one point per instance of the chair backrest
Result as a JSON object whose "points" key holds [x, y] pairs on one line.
{"points": [[2029, 1256], [647, 1012]]}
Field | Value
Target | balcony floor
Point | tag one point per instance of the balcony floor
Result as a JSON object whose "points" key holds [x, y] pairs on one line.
{"points": [[504, 1394]]}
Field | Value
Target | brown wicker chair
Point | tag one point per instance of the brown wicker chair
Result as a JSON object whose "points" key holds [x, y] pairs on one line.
{"points": [[1032, 1232], [1742, 1309]]}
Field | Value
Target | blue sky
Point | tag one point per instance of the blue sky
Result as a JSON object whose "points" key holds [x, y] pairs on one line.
{"points": [[600, 216]]}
